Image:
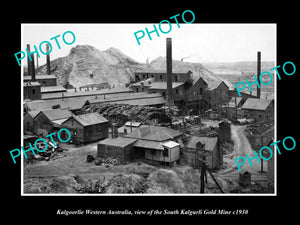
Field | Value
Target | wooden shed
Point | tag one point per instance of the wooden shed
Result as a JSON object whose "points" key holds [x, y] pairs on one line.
{"points": [[48, 120], [86, 128], [211, 150], [28, 120], [119, 148]]}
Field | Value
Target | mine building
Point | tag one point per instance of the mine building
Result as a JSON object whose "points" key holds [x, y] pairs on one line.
{"points": [[161, 75], [44, 80], [87, 127], [216, 93], [32, 90], [152, 144], [259, 109], [47, 121], [210, 151]]}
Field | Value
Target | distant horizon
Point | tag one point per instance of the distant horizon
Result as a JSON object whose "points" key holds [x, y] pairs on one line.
{"points": [[195, 42], [186, 61]]}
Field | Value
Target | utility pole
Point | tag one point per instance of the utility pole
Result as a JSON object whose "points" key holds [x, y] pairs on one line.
{"points": [[236, 117], [203, 172]]}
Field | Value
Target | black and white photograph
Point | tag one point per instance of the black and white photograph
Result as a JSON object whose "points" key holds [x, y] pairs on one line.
{"points": [[159, 114], [149, 111]]}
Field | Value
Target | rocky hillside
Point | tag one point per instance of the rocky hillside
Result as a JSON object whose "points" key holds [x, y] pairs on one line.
{"points": [[87, 65]]}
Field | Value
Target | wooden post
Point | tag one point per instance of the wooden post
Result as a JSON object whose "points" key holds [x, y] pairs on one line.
{"points": [[48, 59], [203, 171]]}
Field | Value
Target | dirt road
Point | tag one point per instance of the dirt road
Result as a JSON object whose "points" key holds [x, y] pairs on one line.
{"points": [[241, 148]]}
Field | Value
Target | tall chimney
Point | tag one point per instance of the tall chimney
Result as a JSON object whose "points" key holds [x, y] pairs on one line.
{"points": [[28, 62], [48, 60], [170, 99], [258, 73], [31, 68], [37, 63]]}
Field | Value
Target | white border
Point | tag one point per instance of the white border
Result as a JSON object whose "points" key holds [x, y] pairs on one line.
{"points": [[141, 195]]}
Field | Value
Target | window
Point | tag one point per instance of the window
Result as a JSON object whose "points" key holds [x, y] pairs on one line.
{"points": [[33, 91], [164, 94], [201, 91], [176, 78], [160, 77], [142, 89], [166, 152], [177, 92], [153, 151]]}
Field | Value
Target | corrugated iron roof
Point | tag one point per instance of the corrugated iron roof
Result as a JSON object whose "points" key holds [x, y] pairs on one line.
{"points": [[33, 113], [149, 144], [208, 142], [257, 104], [213, 84], [140, 98], [49, 89], [38, 77], [119, 141], [72, 94], [170, 144], [37, 105], [56, 114], [90, 119], [163, 85], [144, 102], [154, 133]]}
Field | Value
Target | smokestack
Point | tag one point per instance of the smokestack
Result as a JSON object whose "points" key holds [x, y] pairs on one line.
{"points": [[28, 62], [258, 73], [37, 63], [48, 60], [31, 69], [169, 73]]}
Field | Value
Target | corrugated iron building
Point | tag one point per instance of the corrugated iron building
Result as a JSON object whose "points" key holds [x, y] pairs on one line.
{"points": [[211, 151], [47, 121], [259, 109], [86, 128]]}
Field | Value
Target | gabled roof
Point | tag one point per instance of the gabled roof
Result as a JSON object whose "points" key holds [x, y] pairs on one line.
{"points": [[215, 84], [257, 104], [195, 81], [89, 119], [208, 142], [154, 133], [56, 114], [33, 113]]}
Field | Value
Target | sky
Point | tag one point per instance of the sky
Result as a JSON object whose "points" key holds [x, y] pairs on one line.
{"points": [[198, 42]]}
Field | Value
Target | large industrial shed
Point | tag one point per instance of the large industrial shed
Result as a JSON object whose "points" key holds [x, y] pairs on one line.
{"points": [[86, 128], [259, 109]]}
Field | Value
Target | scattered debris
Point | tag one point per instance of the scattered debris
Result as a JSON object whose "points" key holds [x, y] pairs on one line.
{"points": [[90, 158]]}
